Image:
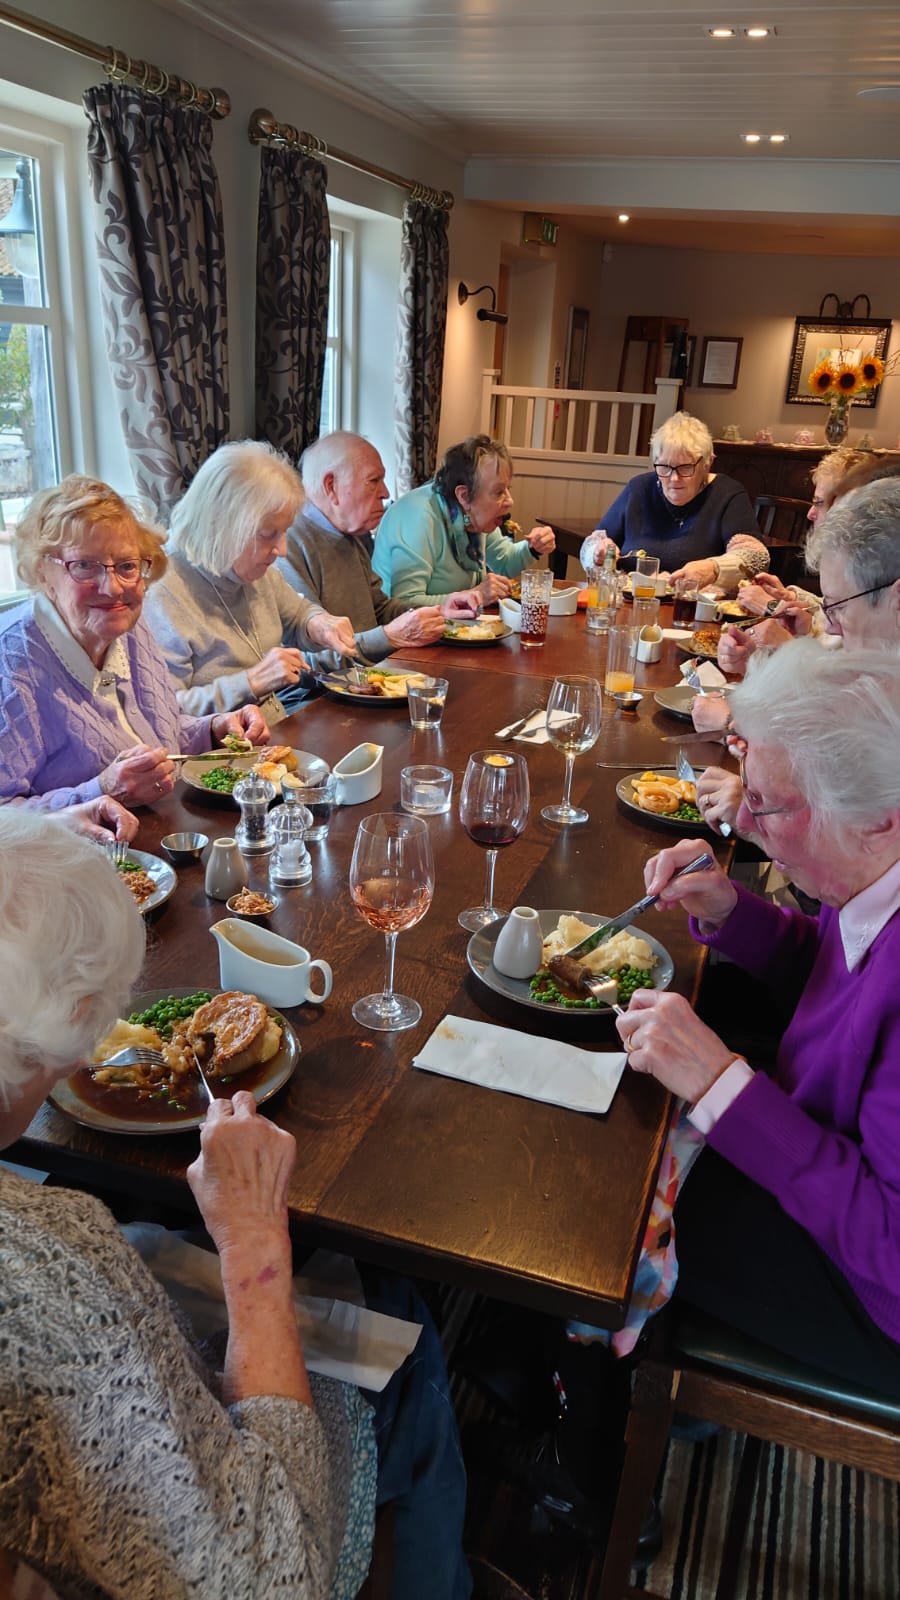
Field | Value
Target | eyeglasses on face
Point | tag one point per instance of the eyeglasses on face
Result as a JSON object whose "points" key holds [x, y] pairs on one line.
{"points": [[834, 605], [87, 572], [764, 811], [682, 469]]}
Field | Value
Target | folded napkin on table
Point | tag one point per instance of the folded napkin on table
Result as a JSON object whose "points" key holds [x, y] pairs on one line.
{"points": [[341, 1337], [708, 673], [681, 634], [538, 721], [516, 1063]]}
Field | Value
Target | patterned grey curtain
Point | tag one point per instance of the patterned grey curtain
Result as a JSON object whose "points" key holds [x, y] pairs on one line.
{"points": [[162, 278], [419, 354], [293, 262]]}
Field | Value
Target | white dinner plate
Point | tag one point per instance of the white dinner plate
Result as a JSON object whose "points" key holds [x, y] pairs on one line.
{"points": [[480, 953], [164, 877], [262, 1081], [192, 772]]}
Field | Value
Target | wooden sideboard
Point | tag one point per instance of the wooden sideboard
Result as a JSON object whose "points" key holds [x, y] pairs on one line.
{"points": [[777, 469]]}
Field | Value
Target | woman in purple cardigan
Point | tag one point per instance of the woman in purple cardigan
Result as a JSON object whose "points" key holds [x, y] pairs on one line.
{"points": [[789, 1223], [86, 704]]}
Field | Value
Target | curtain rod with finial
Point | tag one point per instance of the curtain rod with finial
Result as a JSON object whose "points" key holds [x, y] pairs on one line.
{"points": [[215, 102], [263, 129]]}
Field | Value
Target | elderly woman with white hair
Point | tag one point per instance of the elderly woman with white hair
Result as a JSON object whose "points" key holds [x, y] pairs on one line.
{"points": [[229, 625], [87, 707], [789, 1224], [130, 1468], [698, 522]]}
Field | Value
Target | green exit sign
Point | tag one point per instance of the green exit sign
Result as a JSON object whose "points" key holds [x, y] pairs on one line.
{"points": [[539, 230]]}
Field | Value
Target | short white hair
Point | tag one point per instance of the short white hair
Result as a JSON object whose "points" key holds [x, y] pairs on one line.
{"points": [[682, 432], [71, 946], [334, 452], [836, 716], [863, 529], [235, 490]]}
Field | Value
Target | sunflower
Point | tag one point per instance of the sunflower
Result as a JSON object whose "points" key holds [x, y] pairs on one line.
{"points": [[871, 371], [848, 382], [821, 379]]}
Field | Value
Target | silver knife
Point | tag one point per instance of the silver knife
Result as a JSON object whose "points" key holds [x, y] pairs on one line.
{"points": [[516, 727], [607, 929]]}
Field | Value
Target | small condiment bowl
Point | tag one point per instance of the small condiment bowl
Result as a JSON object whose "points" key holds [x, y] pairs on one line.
{"points": [[251, 916], [182, 848], [628, 700]]}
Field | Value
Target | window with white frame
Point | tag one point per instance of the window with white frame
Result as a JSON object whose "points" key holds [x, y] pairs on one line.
{"points": [[336, 391]]}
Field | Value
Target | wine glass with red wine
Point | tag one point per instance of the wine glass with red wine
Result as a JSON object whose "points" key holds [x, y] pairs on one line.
{"points": [[391, 885], [493, 809]]}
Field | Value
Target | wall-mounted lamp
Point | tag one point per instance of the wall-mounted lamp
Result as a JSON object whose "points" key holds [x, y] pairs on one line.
{"points": [[17, 230], [463, 294]]}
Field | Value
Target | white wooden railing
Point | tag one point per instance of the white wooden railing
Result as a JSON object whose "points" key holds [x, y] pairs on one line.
{"points": [[572, 449]]}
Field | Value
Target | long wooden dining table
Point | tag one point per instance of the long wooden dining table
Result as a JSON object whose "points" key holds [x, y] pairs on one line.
{"points": [[517, 1199]]}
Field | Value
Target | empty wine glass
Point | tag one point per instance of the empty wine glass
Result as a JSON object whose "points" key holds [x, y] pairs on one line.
{"points": [[574, 713], [493, 809], [391, 885]]}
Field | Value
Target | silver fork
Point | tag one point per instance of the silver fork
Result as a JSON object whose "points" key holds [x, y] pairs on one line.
{"points": [[143, 1055], [687, 775], [605, 989], [515, 728], [692, 677], [117, 850]]}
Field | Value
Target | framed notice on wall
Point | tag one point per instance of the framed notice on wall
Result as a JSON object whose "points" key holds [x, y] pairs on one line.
{"points": [[576, 346], [720, 361]]}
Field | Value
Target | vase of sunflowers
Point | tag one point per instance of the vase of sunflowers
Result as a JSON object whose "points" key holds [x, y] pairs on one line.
{"points": [[837, 385]]}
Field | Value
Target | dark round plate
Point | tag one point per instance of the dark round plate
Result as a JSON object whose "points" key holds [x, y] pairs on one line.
{"points": [[624, 792], [688, 649], [480, 953], [678, 700], [192, 774], [267, 1080], [164, 877], [338, 685]]}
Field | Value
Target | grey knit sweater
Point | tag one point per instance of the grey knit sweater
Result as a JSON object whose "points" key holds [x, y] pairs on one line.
{"points": [[335, 570], [121, 1475], [210, 630]]}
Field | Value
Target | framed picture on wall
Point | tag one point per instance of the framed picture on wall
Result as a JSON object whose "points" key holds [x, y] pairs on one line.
{"points": [[720, 362], [576, 347], [840, 342]]}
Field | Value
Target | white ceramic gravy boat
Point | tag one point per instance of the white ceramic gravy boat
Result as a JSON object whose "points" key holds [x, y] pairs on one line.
{"points": [[276, 970]]}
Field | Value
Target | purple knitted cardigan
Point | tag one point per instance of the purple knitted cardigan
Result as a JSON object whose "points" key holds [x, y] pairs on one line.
{"points": [[822, 1134], [55, 738]]}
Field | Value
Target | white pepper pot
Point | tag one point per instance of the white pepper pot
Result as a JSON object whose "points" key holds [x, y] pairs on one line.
{"points": [[517, 953]]}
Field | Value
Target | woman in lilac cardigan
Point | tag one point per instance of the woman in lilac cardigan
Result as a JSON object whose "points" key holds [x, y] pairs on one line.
{"points": [[789, 1224], [86, 704]]}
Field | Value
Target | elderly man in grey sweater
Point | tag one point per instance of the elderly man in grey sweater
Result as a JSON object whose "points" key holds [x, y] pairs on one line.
{"points": [[328, 560]]}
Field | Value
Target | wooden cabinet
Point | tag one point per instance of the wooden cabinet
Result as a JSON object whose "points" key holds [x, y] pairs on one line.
{"points": [[782, 470]]}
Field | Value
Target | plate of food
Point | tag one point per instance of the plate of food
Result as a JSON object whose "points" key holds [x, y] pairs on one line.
{"points": [[732, 611], [636, 960], [215, 775], [148, 878], [487, 630], [371, 685], [661, 796], [703, 643], [678, 699], [242, 1045]]}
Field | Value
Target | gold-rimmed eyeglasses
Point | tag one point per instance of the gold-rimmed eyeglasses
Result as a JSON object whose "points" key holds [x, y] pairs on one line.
{"points": [[764, 811]]}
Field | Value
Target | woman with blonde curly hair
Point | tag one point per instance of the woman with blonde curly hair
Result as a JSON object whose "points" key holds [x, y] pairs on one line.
{"points": [[87, 706], [698, 522]]}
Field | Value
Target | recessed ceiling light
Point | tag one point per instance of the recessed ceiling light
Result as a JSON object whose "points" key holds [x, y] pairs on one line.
{"points": [[757, 32], [880, 91], [751, 138], [722, 33], [624, 217], [778, 138]]}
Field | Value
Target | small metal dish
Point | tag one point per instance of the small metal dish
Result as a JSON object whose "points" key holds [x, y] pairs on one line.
{"points": [[183, 848], [251, 916], [628, 700]]}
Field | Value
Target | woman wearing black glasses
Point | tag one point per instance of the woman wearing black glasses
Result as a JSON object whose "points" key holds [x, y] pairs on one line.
{"points": [[87, 706], [699, 523]]}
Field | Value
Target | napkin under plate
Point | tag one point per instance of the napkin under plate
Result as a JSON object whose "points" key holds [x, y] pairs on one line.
{"points": [[535, 729], [517, 1063]]}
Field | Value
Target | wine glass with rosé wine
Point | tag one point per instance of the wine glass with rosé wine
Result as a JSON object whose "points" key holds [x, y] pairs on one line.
{"points": [[391, 885], [493, 809]]}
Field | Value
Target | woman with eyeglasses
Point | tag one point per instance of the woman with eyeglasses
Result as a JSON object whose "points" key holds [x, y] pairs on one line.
{"points": [[788, 1227], [698, 522], [87, 706]]}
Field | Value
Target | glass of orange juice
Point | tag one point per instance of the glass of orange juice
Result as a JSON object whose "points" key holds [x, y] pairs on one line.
{"points": [[646, 572], [621, 652]]}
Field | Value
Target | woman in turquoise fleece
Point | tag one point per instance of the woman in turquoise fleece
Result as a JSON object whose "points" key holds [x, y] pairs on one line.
{"points": [[448, 535]]}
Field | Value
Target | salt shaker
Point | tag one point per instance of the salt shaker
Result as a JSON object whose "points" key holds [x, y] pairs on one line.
{"points": [[254, 795], [291, 864], [225, 871], [519, 946]]}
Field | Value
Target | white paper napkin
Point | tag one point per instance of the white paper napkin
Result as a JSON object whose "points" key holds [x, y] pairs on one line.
{"points": [[516, 1063], [539, 722], [681, 634], [341, 1337], [708, 673]]}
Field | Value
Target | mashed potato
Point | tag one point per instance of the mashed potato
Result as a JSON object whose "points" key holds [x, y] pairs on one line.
{"points": [[622, 950]]}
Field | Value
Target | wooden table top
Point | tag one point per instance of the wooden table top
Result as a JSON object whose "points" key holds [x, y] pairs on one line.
{"points": [[516, 1199]]}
